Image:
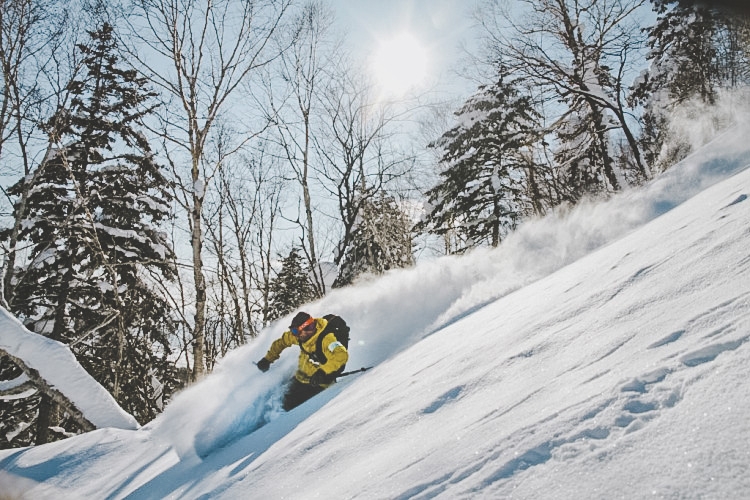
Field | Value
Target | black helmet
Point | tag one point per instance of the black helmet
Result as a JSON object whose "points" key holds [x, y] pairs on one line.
{"points": [[300, 322]]}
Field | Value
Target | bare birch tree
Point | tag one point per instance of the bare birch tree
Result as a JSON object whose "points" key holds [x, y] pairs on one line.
{"points": [[581, 52], [198, 53], [358, 144], [293, 90], [36, 67], [241, 220]]}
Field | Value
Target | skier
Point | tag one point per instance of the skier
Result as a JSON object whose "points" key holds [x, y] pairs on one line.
{"points": [[320, 360]]}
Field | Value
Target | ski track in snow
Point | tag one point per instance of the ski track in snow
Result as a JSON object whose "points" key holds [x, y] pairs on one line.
{"points": [[638, 401]]}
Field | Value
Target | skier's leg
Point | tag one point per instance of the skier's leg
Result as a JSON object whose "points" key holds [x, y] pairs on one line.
{"points": [[298, 393]]}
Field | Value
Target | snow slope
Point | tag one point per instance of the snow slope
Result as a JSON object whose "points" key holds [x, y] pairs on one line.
{"points": [[601, 353]]}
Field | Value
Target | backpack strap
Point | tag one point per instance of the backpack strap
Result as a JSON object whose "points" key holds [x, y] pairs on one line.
{"points": [[319, 354], [316, 354]]}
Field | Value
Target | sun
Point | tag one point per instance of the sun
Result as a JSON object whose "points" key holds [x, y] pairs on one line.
{"points": [[399, 64]]}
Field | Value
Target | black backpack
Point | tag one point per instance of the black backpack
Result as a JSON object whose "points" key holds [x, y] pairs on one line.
{"points": [[340, 330]]}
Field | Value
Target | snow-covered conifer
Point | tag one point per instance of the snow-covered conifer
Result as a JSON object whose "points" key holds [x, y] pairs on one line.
{"points": [[695, 51], [291, 287], [92, 227], [487, 178], [381, 240]]}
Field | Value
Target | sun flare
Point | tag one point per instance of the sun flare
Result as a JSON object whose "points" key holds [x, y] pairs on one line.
{"points": [[400, 64]]}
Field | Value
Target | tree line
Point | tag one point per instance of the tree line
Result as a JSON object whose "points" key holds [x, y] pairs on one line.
{"points": [[177, 175]]}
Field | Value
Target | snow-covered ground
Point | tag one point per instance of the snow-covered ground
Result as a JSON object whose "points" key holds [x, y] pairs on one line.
{"points": [[601, 353]]}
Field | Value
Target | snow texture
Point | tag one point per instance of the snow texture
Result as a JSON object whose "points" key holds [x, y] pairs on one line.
{"points": [[599, 353]]}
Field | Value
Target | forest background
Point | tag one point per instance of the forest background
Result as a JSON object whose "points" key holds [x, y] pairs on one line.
{"points": [[176, 175]]}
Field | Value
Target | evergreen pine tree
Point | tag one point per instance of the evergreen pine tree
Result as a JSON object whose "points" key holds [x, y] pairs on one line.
{"points": [[683, 50], [683, 55], [381, 240], [485, 186], [92, 225], [582, 153], [291, 287]]}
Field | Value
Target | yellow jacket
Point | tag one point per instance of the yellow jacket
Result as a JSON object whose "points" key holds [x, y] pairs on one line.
{"points": [[335, 352]]}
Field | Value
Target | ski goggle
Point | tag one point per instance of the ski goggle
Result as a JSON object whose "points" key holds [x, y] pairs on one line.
{"points": [[304, 326]]}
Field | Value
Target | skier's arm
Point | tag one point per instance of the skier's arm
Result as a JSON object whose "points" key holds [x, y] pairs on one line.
{"points": [[336, 354], [278, 345]]}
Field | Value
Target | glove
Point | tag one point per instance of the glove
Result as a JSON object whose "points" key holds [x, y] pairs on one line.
{"points": [[263, 365], [320, 378]]}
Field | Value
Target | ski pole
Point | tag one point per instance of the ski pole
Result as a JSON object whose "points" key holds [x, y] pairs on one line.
{"points": [[346, 374]]}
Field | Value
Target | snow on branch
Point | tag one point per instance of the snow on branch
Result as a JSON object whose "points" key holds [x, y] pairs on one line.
{"points": [[51, 368], [18, 388]]}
